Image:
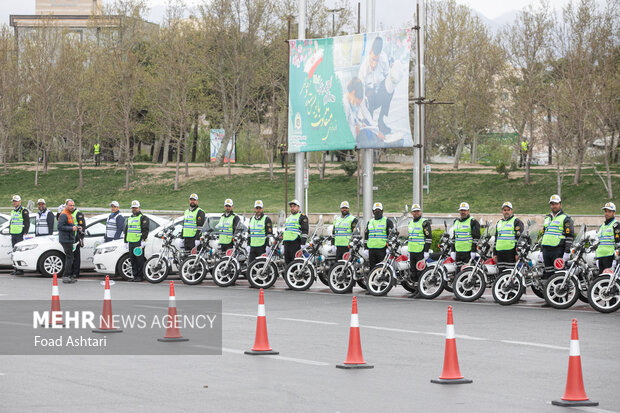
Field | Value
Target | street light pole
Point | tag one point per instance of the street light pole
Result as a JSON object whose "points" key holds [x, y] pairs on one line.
{"points": [[300, 157], [333, 12]]}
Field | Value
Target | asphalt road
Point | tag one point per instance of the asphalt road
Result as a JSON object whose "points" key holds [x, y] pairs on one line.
{"points": [[517, 356]]}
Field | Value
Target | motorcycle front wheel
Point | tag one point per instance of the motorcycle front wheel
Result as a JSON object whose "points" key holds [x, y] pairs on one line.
{"points": [[261, 275], [469, 285], [226, 273], [193, 270], [379, 281], [298, 279], [558, 296], [341, 281], [430, 285], [507, 291], [603, 296], [156, 269]]}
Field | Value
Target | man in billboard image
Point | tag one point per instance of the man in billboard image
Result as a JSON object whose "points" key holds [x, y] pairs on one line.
{"points": [[364, 128]]}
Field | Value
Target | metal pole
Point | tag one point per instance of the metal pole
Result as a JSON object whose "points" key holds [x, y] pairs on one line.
{"points": [[367, 154], [300, 156], [418, 135]]}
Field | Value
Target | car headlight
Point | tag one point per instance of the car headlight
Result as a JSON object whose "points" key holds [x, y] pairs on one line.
{"points": [[104, 250], [25, 247]]}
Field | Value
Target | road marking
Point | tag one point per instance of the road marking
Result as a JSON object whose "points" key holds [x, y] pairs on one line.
{"points": [[239, 315], [2, 374], [301, 320], [151, 306], [13, 323], [526, 343], [276, 357]]}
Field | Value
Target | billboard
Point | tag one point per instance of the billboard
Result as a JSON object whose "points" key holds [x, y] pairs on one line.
{"points": [[350, 91], [217, 136]]}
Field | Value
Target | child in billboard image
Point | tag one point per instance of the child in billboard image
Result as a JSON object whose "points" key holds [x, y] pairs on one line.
{"points": [[365, 130]]}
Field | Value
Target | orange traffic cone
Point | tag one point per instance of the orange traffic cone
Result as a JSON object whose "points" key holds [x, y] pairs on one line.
{"points": [[354, 360], [172, 332], [261, 342], [55, 305], [451, 373], [107, 322], [575, 394]]}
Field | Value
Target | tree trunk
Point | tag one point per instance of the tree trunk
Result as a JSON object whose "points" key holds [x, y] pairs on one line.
{"points": [[474, 149], [559, 176], [127, 151], [176, 172], [79, 137], [186, 151], [44, 162], [164, 161], [528, 153], [270, 155], [195, 141], [580, 152], [20, 150], [156, 150], [322, 168], [459, 151], [610, 192]]}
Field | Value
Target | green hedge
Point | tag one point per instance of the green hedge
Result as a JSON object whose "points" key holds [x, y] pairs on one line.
{"points": [[437, 233]]}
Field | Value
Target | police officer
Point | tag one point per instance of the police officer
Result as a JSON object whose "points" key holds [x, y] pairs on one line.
{"points": [[377, 231], [466, 235], [78, 242], [420, 240], [193, 221], [44, 220], [227, 225], [97, 148], [19, 225], [608, 237], [115, 223], [344, 225], [66, 237], [136, 231], [295, 231], [507, 233], [261, 228], [558, 235]]}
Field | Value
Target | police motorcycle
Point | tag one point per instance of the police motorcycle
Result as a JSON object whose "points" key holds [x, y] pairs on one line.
{"points": [[394, 269], [263, 272], [604, 291], [311, 262], [470, 283], [572, 279], [438, 275], [158, 266], [527, 271], [202, 260], [232, 264], [353, 267]]}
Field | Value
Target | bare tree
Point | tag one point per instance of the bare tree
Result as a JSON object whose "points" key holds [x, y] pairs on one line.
{"points": [[10, 91]]}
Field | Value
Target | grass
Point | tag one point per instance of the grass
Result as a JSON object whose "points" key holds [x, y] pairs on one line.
{"points": [[484, 192]]}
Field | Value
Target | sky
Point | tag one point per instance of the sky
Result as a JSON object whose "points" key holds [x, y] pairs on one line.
{"points": [[389, 13]]}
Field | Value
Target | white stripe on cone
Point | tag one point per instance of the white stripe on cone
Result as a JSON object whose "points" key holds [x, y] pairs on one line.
{"points": [[55, 290], [450, 331], [106, 295], [261, 310], [355, 322], [574, 348]]}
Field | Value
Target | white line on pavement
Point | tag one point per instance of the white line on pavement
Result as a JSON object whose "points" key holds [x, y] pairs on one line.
{"points": [[240, 315], [526, 343], [13, 323], [301, 320], [151, 306], [277, 357]]}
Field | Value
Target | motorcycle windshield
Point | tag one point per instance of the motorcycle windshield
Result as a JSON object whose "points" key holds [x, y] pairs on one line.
{"points": [[240, 228], [579, 237], [530, 234], [318, 228], [281, 222]]}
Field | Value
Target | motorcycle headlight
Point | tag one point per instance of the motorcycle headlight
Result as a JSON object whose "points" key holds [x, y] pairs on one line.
{"points": [[25, 247], [321, 258], [104, 250]]}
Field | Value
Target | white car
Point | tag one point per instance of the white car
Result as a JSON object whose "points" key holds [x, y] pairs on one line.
{"points": [[113, 257], [45, 254], [6, 249], [4, 218]]}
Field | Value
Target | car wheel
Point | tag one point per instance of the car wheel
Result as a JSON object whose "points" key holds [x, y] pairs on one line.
{"points": [[51, 262], [123, 268]]}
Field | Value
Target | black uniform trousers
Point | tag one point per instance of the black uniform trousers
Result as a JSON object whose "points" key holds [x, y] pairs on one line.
{"points": [[75, 269], [137, 261], [340, 251], [68, 267], [414, 257], [189, 244], [375, 256], [226, 247], [290, 248], [550, 254], [15, 238], [605, 262], [463, 257], [506, 259], [256, 252]]}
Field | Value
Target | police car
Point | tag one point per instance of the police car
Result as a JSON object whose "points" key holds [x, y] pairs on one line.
{"points": [[113, 257], [6, 248], [45, 254], [4, 218]]}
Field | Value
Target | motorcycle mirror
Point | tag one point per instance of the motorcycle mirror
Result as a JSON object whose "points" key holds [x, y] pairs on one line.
{"points": [[30, 205]]}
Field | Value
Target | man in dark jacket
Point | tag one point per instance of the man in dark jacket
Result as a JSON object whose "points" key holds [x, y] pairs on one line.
{"points": [[66, 236], [44, 220], [19, 225], [78, 242], [136, 232]]}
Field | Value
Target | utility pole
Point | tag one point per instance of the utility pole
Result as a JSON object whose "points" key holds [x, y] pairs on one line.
{"points": [[418, 131], [368, 154], [333, 12], [300, 157]]}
